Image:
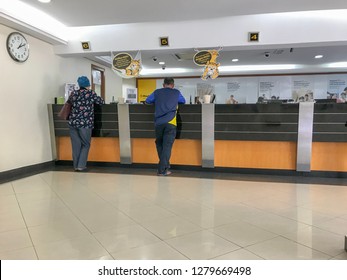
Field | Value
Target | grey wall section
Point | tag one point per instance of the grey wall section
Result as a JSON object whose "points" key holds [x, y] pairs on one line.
{"points": [[304, 144], [124, 134], [207, 118]]}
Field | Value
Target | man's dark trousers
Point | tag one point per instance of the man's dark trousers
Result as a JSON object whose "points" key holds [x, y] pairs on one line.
{"points": [[165, 136]]}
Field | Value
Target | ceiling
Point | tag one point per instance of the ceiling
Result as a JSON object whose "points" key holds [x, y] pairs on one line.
{"points": [[103, 12]]}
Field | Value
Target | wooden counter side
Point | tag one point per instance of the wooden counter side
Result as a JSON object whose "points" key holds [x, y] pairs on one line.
{"points": [[184, 152], [104, 149], [328, 156], [255, 154]]}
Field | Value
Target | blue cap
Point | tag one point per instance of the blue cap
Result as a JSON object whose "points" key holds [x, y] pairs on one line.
{"points": [[83, 81]]}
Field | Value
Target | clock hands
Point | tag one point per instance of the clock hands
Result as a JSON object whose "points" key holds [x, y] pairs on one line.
{"points": [[21, 45]]}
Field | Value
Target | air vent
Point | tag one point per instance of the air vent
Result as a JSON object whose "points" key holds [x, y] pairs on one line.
{"points": [[177, 56], [278, 51], [183, 56]]}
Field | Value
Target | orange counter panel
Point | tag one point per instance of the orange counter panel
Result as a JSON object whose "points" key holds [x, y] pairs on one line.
{"points": [[105, 149], [184, 152], [327, 156], [255, 154], [237, 154]]}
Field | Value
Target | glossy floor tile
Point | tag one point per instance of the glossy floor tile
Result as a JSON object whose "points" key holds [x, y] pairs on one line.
{"points": [[202, 245], [155, 251], [243, 234], [136, 215], [80, 248], [120, 239], [280, 248]]}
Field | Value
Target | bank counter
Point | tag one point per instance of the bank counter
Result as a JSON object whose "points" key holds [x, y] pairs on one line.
{"points": [[301, 137]]}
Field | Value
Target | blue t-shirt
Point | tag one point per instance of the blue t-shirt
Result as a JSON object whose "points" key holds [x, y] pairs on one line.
{"points": [[165, 101]]}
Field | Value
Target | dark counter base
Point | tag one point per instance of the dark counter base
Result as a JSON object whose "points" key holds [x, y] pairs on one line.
{"points": [[244, 174]]}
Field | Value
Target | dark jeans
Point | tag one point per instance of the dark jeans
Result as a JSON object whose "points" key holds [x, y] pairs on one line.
{"points": [[80, 141], [165, 136]]}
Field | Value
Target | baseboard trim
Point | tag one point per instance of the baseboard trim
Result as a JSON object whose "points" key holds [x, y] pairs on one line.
{"points": [[22, 172], [243, 171], [26, 171]]}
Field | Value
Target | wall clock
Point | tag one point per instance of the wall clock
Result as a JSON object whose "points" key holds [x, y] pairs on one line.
{"points": [[17, 47]]}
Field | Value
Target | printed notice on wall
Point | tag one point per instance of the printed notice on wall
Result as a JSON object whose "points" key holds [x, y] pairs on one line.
{"points": [[302, 87], [336, 85], [233, 87], [267, 88], [204, 89], [238, 87], [275, 88], [249, 89]]}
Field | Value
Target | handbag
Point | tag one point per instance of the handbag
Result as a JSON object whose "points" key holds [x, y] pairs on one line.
{"points": [[65, 111]]}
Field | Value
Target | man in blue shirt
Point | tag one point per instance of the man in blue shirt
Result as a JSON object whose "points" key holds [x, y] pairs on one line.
{"points": [[166, 102]]}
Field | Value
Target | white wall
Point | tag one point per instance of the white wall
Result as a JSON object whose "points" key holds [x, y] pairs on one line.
{"points": [[295, 28], [71, 68], [26, 89], [128, 83]]}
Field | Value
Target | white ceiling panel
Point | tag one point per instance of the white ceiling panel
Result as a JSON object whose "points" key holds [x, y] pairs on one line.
{"points": [[101, 12]]}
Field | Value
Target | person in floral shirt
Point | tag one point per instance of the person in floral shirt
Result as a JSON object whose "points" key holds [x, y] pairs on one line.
{"points": [[81, 121]]}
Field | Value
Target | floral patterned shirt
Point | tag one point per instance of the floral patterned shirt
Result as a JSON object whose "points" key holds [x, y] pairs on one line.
{"points": [[82, 111]]}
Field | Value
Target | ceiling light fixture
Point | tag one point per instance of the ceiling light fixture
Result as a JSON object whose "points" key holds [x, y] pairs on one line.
{"points": [[342, 64], [161, 62], [318, 56], [145, 72], [44, 1], [234, 60], [258, 67]]}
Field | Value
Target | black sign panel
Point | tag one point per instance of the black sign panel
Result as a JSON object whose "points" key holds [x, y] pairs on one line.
{"points": [[121, 61], [201, 58]]}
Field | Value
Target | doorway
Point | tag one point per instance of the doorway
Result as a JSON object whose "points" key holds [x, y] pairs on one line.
{"points": [[98, 80]]}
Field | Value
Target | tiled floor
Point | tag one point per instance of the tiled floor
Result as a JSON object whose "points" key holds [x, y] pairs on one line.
{"points": [[95, 215]]}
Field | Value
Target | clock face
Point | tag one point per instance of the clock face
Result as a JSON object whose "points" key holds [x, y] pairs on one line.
{"points": [[17, 47]]}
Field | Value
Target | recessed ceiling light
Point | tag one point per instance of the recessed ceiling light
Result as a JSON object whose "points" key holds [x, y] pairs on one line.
{"points": [[234, 60], [342, 64], [44, 1], [161, 62], [318, 56], [258, 67], [145, 71]]}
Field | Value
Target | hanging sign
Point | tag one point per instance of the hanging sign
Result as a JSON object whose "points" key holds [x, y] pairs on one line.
{"points": [[125, 66], [121, 61], [201, 58], [208, 59]]}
